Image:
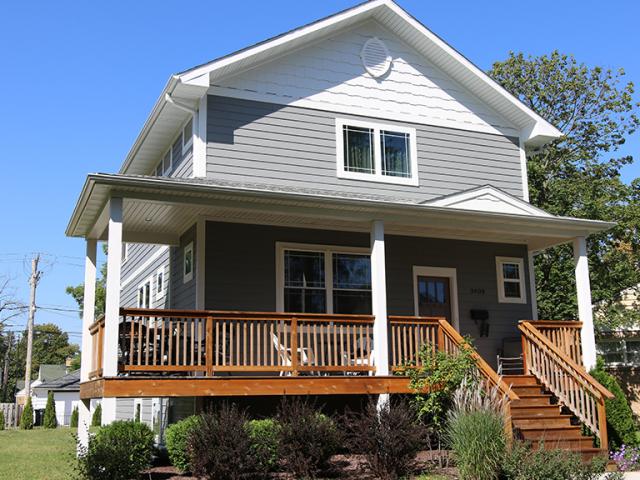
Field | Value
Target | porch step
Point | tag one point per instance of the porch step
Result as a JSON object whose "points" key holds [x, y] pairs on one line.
{"points": [[563, 443], [535, 411], [550, 432], [520, 380], [536, 421], [528, 390], [533, 400]]}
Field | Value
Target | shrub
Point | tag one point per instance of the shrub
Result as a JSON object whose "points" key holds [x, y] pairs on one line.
{"points": [[220, 447], [440, 373], [476, 431], [73, 422], [626, 458], [308, 438], [620, 425], [96, 419], [119, 451], [26, 419], [389, 438], [522, 463], [264, 435], [2, 420], [176, 438], [50, 420]]}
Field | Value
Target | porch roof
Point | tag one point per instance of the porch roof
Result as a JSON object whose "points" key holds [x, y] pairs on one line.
{"points": [[159, 209]]}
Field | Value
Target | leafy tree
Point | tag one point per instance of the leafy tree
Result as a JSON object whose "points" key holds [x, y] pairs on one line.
{"points": [[77, 292], [578, 174], [50, 420], [26, 420]]}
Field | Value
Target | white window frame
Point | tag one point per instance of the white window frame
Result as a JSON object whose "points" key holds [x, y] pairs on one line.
{"points": [[444, 272], [188, 276], [125, 252], [502, 298], [186, 145], [161, 293], [377, 176], [328, 251], [141, 299]]}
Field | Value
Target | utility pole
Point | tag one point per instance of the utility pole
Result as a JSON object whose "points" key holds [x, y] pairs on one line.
{"points": [[33, 282]]}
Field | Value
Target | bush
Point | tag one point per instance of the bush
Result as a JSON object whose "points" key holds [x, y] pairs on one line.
{"points": [[522, 463], [627, 459], [96, 419], [220, 447], [119, 451], [389, 438], [620, 425], [264, 435], [176, 438], [444, 371], [2, 420], [307, 438], [26, 419], [476, 431], [50, 420], [73, 422]]}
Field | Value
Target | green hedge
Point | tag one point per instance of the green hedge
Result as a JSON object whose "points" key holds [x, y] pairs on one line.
{"points": [[26, 420], [176, 438]]}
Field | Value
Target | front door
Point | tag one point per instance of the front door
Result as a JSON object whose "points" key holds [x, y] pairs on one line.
{"points": [[434, 298]]}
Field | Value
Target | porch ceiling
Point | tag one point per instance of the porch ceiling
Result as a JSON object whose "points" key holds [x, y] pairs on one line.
{"points": [[159, 210]]}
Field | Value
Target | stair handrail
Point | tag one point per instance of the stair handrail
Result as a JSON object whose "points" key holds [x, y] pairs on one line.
{"points": [[565, 379]]}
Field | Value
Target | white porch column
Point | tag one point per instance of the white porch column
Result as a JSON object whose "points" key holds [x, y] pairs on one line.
{"points": [[379, 299], [585, 312], [112, 303], [88, 317], [532, 286]]}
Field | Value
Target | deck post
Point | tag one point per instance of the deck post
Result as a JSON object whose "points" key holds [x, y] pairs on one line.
{"points": [[88, 317], [585, 313], [379, 299], [112, 303]]}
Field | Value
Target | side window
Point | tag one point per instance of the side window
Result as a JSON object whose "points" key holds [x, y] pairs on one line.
{"points": [[510, 275], [188, 263], [144, 294], [161, 281]]}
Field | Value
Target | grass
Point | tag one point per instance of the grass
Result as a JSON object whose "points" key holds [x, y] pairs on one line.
{"points": [[36, 454]]}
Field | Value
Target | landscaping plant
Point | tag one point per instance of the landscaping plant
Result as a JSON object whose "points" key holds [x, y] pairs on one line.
{"points": [[50, 420], [176, 440], [264, 435], [389, 438], [73, 422], [476, 431], [308, 438], [118, 451], [26, 419], [627, 458], [96, 419], [1, 420], [219, 446]]}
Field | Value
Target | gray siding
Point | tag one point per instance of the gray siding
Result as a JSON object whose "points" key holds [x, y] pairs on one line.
{"points": [[241, 273], [125, 409], [281, 145], [183, 294], [133, 276]]}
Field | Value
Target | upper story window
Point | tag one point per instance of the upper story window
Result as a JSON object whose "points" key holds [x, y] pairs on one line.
{"points": [[176, 152], [511, 285], [144, 294], [376, 152], [187, 136]]}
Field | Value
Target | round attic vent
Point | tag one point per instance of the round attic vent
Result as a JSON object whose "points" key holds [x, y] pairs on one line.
{"points": [[375, 57]]}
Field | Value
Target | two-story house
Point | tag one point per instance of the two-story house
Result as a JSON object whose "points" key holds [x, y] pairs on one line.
{"points": [[304, 215]]}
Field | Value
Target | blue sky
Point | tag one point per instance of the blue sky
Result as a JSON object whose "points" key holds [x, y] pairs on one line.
{"points": [[79, 79]]}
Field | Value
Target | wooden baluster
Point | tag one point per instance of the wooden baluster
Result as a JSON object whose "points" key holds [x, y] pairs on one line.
{"points": [[294, 346], [209, 347], [171, 338], [140, 325], [335, 344], [315, 360], [258, 360], [224, 343], [270, 343], [323, 338]]}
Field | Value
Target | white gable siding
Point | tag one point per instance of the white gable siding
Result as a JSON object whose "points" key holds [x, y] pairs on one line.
{"points": [[330, 76]]}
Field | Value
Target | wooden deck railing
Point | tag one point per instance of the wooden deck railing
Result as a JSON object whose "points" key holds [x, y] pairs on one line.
{"points": [[251, 342], [565, 378], [565, 335], [96, 330]]}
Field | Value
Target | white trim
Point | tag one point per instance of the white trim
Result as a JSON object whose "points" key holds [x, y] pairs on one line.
{"points": [[371, 69], [502, 298], [328, 267], [144, 266], [113, 289], [377, 176], [141, 300], [125, 252], [200, 140], [88, 310], [523, 170], [446, 272], [187, 276], [379, 299], [160, 271], [186, 145], [532, 285], [585, 312]]}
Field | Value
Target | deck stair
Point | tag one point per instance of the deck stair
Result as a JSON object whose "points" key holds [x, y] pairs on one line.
{"points": [[538, 418]]}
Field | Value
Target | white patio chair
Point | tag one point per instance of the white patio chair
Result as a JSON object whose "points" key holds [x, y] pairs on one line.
{"points": [[285, 354]]}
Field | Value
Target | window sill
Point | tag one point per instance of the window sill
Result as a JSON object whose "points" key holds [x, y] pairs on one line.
{"points": [[375, 178]]}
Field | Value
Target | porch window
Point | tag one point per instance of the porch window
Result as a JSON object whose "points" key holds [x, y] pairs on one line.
{"points": [[511, 286], [160, 282], [620, 351], [188, 263], [325, 280], [144, 294], [376, 152]]}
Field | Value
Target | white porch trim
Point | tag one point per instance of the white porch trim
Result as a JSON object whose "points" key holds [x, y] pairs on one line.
{"points": [[533, 293], [379, 299], [585, 313], [446, 272]]}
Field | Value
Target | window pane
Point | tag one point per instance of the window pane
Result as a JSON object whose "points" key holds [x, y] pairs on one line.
{"points": [[160, 281], [352, 302], [147, 295], [512, 289], [358, 149], [511, 271], [166, 162], [395, 154], [188, 132], [612, 352], [303, 269], [351, 271], [188, 262], [305, 300]]}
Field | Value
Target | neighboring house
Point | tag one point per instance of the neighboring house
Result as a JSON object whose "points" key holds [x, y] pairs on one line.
{"points": [[306, 214], [66, 395], [46, 372]]}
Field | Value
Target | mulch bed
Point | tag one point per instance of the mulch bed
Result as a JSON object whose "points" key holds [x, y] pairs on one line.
{"points": [[341, 466]]}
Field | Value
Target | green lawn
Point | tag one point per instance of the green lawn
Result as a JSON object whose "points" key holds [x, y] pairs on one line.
{"points": [[36, 454]]}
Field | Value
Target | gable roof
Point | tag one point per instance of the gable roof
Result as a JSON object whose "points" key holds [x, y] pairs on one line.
{"points": [[189, 86], [69, 382]]}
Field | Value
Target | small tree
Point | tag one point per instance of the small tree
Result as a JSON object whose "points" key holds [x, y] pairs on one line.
{"points": [[1, 420], [26, 420], [73, 423], [96, 420], [50, 420]]}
